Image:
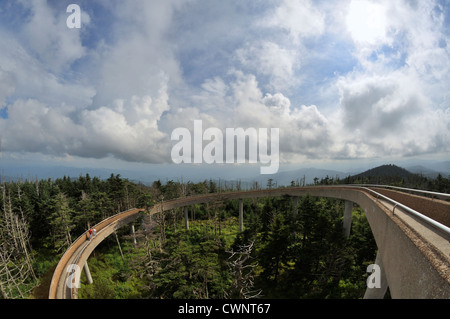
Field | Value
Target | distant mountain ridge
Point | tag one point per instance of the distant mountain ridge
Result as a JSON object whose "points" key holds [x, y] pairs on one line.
{"points": [[302, 176], [247, 178], [383, 174], [421, 170], [390, 175], [385, 170]]}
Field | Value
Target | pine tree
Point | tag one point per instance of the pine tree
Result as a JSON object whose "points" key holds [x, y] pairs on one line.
{"points": [[60, 220]]}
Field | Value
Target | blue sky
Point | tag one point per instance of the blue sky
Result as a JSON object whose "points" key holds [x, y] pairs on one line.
{"points": [[345, 81]]}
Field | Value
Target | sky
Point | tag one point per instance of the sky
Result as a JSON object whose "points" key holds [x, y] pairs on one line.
{"points": [[346, 81]]}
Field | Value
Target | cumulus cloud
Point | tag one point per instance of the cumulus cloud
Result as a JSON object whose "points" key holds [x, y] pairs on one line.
{"points": [[230, 65], [140, 60], [299, 18], [111, 109], [388, 116], [304, 130], [27, 76], [395, 103], [7, 87], [379, 105], [270, 60], [128, 130], [47, 35]]}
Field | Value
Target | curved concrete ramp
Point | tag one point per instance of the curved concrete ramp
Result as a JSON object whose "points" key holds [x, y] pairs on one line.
{"points": [[413, 254], [66, 278]]}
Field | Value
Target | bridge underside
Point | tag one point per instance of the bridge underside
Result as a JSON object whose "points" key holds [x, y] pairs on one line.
{"points": [[410, 264]]}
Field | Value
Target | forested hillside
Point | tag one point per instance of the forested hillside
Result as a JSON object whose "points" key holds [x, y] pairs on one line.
{"points": [[279, 255], [39, 219]]}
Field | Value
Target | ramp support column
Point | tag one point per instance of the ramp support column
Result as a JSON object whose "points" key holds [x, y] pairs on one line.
{"points": [[295, 209], [348, 217], [133, 233], [186, 218], [87, 272], [241, 215]]}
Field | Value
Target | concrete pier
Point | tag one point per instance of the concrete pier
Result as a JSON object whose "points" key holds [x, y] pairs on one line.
{"points": [[295, 208], [87, 272], [241, 215], [186, 218], [348, 217], [133, 233]]}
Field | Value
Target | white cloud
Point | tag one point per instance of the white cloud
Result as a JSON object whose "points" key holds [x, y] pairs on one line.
{"points": [[300, 18], [128, 131], [47, 35], [304, 130], [277, 103], [139, 61], [270, 60], [60, 117], [160, 69], [390, 115], [394, 102], [7, 86]]}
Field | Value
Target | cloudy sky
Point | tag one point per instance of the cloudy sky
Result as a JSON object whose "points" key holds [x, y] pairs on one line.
{"points": [[345, 80]]}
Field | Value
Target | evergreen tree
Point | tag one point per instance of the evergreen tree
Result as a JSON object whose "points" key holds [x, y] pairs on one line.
{"points": [[60, 221]]}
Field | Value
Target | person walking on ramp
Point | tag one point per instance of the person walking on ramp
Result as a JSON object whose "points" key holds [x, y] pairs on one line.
{"points": [[92, 233]]}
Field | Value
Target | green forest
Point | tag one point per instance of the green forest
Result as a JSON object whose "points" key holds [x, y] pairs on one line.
{"points": [[280, 254]]}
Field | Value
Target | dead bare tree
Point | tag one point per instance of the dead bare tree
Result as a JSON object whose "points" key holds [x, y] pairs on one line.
{"points": [[160, 219], [16, 270], [147, 265], [243, 272]]}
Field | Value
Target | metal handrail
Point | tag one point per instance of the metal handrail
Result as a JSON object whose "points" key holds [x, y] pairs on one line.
{"points": [[437, 194], [430, 221]]}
